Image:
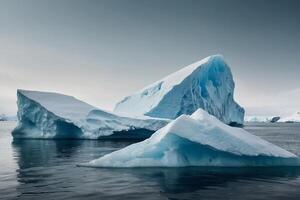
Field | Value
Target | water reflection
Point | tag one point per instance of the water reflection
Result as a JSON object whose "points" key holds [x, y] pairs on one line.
{"points": [[35, 152], [38, 153], [47, 170], [178, 180]]}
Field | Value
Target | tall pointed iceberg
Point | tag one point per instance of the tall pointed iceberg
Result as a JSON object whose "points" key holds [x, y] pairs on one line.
{"points": [[207, 84]]}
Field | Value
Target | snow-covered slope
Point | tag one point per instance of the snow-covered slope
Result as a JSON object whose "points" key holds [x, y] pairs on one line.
{"points": [[206, 84], [198, 140], [292, 118], [53, 115]]}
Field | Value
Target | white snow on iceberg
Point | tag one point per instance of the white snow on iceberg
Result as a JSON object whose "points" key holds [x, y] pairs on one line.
{"points": [[292, 118], [53, 115], [198, 140], [206, 84]]}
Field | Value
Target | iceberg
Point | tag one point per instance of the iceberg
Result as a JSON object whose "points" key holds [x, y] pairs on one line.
{"points": [[275, 119], [206, 84], [292, 118], [258, 119], [198, 140], [262, 119], [4, 117], [53, 115]]}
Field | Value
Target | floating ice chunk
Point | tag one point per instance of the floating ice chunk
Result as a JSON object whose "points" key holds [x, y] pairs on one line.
{"points": [[258, 118], [53, 115], [198, 140]]}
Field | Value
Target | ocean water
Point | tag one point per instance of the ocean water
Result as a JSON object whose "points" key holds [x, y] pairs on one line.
{"points": [[46, 169]]}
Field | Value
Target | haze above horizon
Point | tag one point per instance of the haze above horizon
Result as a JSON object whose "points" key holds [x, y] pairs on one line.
{"points": [[101, 51]]}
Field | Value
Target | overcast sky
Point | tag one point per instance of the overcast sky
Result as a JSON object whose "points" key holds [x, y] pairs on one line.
{"points": [[101, 51]]}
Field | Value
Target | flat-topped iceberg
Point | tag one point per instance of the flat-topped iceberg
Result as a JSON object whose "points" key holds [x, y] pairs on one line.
{"points": [[198, 140], [53, 115], [258, 118], [207, 84], [262, 119]]}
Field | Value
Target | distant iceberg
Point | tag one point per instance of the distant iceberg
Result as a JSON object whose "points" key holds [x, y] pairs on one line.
{"points": [[292, 118], [262, 119], [53, 115], [4, 117], [198, 140], [258, 118], [206, 84]]}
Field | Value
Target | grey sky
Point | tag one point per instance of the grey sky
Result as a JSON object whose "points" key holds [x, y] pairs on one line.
{"points": [[101, 51]]}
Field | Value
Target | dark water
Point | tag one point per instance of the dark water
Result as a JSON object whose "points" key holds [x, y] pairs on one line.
{"points": [[46, 169]]}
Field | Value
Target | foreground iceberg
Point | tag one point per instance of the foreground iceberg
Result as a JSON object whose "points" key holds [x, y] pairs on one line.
{"points": [[53, 115], [292, 118], [206, 84], [198, 140]]}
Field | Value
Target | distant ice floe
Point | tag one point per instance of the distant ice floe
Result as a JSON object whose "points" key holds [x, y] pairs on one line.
{"points": [[295, 117], [271, 119], [4, 117]]}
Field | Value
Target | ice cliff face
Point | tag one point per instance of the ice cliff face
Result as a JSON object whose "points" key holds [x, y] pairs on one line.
{"points": [[206, 84], [198, 140], [53, 115]]}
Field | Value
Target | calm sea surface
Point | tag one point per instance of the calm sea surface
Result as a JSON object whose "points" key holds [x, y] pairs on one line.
{"points": [[46, 169]]}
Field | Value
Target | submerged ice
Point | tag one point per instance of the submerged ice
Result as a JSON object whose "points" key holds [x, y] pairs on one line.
{"points": [[198, 140], [206, 84], [53, 115]]}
